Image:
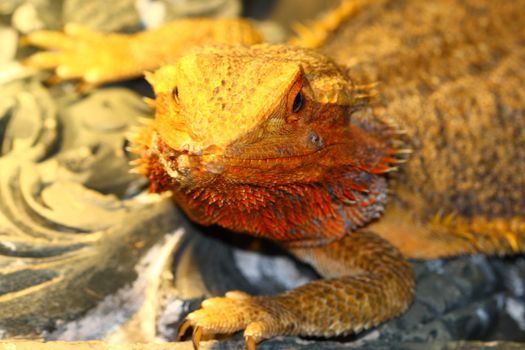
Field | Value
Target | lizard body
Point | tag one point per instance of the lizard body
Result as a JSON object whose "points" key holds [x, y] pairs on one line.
{"points": [[285, 143], [455, 85]]}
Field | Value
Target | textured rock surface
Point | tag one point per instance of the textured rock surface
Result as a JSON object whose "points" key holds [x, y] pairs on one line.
{"points": [[72, 228]]}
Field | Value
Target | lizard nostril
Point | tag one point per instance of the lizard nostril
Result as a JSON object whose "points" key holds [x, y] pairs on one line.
{"points": [[315, 140], [175, 94], [214, 168]]}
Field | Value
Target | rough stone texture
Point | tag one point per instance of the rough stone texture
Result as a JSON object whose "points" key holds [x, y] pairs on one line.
{"points": [[100, 14], [118, 15], [71, 226]]}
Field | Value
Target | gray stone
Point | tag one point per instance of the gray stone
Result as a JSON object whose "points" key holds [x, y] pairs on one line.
{"points": [[107, 16], [131, 15], [70, 235], [8, 42]]}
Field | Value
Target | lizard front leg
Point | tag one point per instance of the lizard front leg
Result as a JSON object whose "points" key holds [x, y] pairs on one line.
{"points": [[365, 281], [97, 58]]}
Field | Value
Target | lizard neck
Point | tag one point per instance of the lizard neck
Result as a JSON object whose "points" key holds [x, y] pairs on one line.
{"points": [[306, 213]]}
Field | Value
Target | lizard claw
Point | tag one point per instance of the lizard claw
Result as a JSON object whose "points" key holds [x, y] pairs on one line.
{"points": [[182, 329], [196, 334], [250, 343], [81, 53], [53, 80], [196, 337], [259, 317]]}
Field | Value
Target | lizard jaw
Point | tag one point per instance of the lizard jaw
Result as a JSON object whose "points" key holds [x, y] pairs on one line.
{"points": [[187, 167], [164, 157]]}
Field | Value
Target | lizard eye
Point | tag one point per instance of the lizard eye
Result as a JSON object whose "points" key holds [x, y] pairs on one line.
{"points": [[175, 94], [298, 102]]}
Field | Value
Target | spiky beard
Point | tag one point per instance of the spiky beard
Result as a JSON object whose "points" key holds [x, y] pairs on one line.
{"points": [[295, 213]]}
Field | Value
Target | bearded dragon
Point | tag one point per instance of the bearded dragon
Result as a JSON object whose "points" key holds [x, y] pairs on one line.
{"points": [[304, 144]]}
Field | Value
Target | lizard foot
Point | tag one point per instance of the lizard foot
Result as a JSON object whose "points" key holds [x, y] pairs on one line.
{"points": [[80, 53], [260, 317]]}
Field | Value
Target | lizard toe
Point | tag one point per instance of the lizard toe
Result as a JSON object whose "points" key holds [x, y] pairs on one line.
{"points": [[234, 312]]}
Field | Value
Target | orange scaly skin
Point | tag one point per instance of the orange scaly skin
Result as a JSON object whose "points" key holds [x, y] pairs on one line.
{"points": [[281, 142], [224, 167]]}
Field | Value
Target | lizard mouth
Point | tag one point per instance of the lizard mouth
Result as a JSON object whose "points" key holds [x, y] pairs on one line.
{"points": [[205, 165], [166, 156], [182, 164]]}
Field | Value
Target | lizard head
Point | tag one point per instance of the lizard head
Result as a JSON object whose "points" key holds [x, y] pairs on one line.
{"points": [[230, 120]]}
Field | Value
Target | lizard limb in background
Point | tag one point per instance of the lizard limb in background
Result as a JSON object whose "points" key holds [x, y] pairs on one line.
{"points": [[97, 58]]}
